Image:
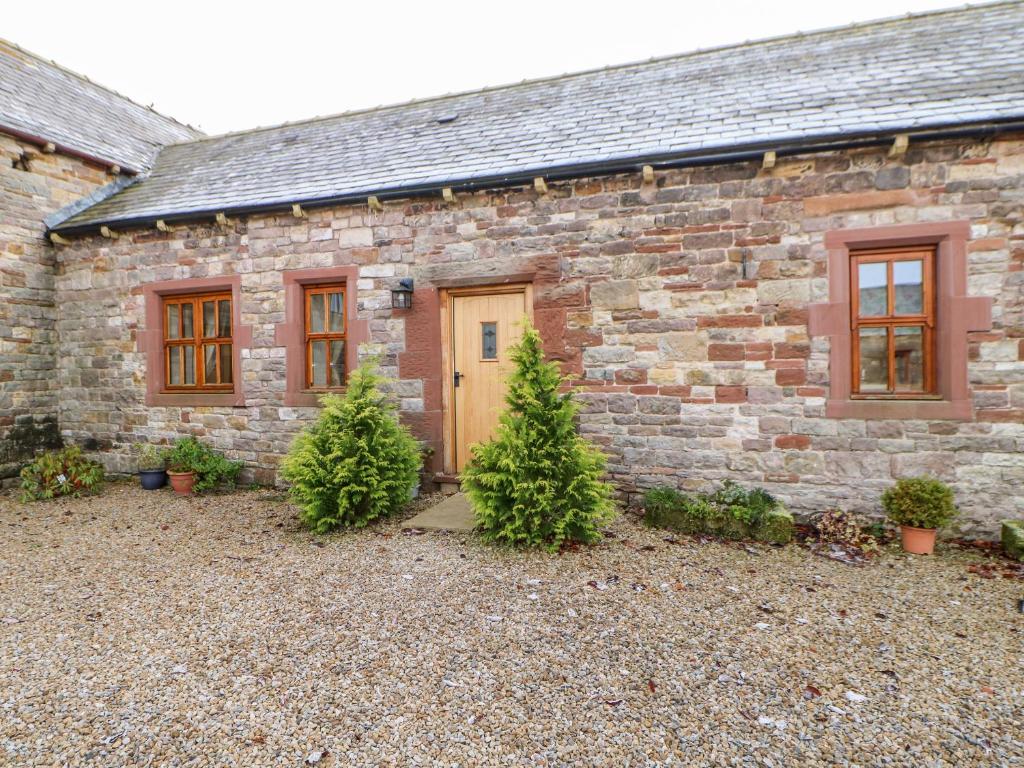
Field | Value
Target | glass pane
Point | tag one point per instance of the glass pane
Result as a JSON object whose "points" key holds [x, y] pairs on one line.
{"points": [[337, 312], [190, 365], [489, 344], [337, 363], [316, 313], [908, 282], [874, 292], [210, 363], [225, 363], [909, 362], [172, 321], [174, 365], [224, 319], [209, 318], [874, 360], [319, 352], [187, 331]]}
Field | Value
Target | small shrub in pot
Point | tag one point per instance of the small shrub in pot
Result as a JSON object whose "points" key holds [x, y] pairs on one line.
{"points": [[920, 506], [152, 467], [195, 466]]}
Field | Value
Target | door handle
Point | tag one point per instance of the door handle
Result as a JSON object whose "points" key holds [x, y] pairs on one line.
{"points": [[458, 378]]}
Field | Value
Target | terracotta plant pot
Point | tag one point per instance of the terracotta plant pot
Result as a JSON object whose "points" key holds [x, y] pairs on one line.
{"points": [[918, 541], [182, 482]]}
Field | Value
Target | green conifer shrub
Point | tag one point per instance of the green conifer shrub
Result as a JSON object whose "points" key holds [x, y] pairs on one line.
{"points": [[356, 463], [538, 482]]}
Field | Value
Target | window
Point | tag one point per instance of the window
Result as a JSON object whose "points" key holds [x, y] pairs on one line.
{"points": [[934, 345], [198, 343], [489, 341], [893, 319], [325, 336]]}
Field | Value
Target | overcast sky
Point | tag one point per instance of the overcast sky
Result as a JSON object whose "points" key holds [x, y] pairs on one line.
{"points": [[228, 66]]}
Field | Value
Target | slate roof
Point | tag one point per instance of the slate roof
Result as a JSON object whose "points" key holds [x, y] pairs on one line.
{"points": [[964, 66], [43, 100]]}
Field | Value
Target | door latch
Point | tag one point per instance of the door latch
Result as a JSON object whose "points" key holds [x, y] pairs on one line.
{"points": [[458, 378]]}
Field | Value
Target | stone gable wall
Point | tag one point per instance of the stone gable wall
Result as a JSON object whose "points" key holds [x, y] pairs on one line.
{"points": [[691, 373], [32, 186]]}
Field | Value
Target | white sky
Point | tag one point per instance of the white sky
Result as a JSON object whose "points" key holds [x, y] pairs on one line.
{"points": [[225, 66]]}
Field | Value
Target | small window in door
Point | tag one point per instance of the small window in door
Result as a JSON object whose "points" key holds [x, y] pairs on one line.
{"points": [[488, 341]]}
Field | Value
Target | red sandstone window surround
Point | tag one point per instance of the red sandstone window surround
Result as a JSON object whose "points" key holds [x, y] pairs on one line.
{"points": [[305, 378], [933, 380], [192, 337]]}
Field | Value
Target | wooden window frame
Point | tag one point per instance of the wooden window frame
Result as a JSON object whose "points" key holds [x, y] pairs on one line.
{"points": [[324, 289], [957, 314], [198, 341], [890, 321]]}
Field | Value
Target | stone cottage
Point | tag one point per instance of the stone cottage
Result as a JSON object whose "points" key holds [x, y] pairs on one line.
{"points": [[795, 263]]}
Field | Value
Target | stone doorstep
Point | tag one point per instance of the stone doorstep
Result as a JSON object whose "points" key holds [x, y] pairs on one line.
{"points": [[452, 514]]}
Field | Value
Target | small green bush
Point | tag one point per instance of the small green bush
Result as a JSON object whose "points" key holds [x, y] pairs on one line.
{"points": [[731, 512], [66, 472], [1013, 538], [919, 502], [151, 457], [356, 463], [538, 483], [210, 467]]}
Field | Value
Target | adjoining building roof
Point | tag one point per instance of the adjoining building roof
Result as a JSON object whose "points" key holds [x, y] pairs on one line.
{"points": [[43, 101], [962, 67]]}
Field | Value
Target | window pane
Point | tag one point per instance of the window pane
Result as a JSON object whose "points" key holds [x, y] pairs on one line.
{"points": [[210, 363], [874, 359], [337, 312], [907, 278], [337, 363], [316, 313], [225, 364], [224, 319], [873, 286], [209, 319], [489, 343], [174, 365], [173, 315], [319, 353], [187, 331], [909, 344], [190, 365]]}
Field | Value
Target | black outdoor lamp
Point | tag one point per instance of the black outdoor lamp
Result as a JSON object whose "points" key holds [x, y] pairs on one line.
{"points": [[401, 297]]}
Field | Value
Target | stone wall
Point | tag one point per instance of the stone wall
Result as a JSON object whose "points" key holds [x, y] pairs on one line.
{"points": [[32, 186], [691, 372]]}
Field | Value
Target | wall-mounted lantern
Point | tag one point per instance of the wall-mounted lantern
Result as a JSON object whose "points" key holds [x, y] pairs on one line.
{"points": [[401, 297]]}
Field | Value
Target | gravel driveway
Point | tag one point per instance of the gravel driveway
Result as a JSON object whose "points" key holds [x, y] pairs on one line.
{"points": [[142, 629]]}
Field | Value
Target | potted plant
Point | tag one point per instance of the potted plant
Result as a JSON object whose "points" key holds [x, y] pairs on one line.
{"points": [[152, 463], [194, 466], [919, 506]]}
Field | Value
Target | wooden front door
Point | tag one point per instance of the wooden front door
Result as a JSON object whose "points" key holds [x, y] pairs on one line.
{"points": [[483, 327]]}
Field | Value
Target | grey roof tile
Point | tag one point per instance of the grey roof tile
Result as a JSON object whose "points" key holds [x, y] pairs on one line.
{"points": [[937, 69], [46, 101]]}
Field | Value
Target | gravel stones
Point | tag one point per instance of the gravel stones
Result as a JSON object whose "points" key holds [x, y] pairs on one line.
{"points": [[140, 628]]}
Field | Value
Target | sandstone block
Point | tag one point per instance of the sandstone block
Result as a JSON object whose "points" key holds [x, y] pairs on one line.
{"points": [[615, 294]]}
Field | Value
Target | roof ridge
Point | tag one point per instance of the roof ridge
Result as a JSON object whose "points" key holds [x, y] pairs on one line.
{"points": [[86, 79], [906, 17]]}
